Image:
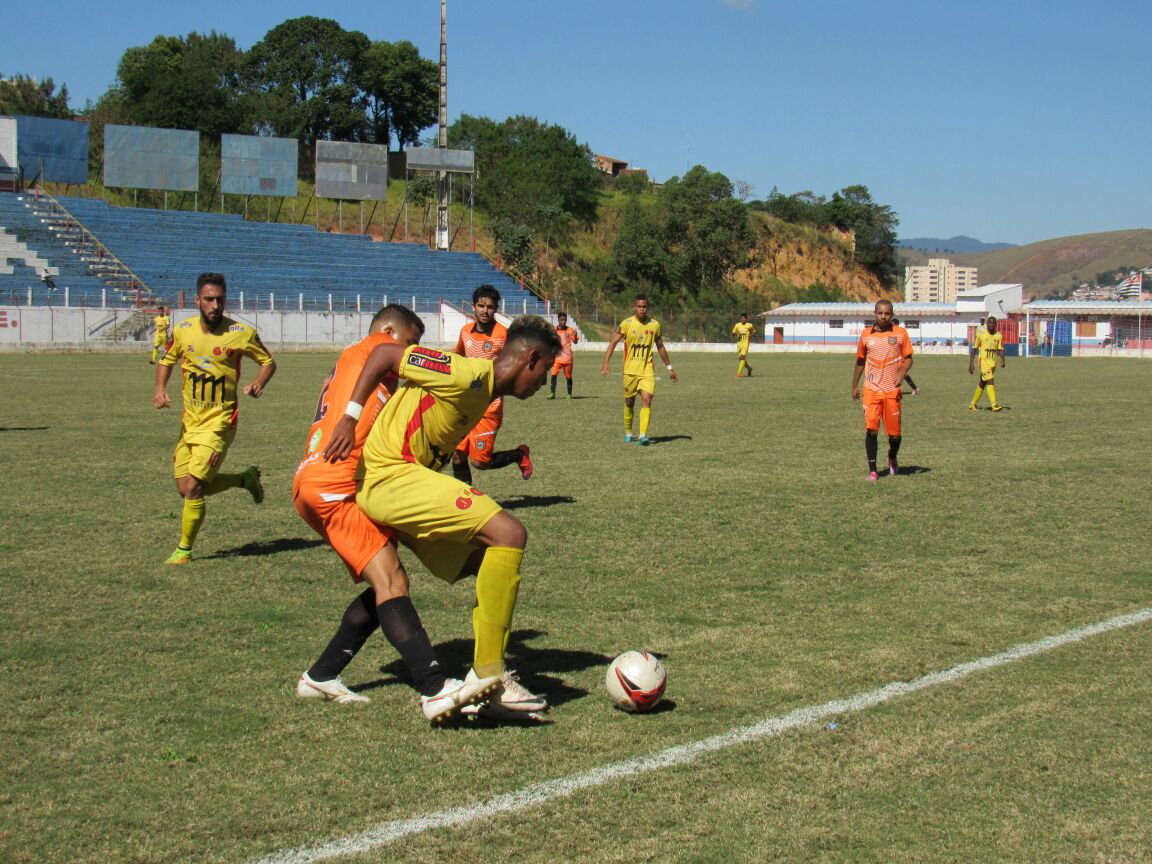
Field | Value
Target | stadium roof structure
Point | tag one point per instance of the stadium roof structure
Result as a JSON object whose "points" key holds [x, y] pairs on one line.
{"points": [[849, 310], [985, 290], [1086, 307]]}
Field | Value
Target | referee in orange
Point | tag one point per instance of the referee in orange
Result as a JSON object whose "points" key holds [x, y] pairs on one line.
{"points": [[883, 358]]}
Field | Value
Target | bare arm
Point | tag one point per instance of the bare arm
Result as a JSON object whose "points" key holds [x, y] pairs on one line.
{"points": [[160, 397], [664, 356], [608, 354], [256, 388], [971, 358], [383, 360], [905, 368], [856, 373]]}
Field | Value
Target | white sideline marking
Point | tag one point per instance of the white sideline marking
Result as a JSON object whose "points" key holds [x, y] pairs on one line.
{"points": [[549, 790]]}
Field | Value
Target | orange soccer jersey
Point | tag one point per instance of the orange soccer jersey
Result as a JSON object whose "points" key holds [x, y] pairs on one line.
{"points": [[883, 352], [488, 347], [323, 492]]}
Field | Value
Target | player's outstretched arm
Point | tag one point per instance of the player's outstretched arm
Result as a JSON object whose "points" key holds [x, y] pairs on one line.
{"points": [[383, 360]]}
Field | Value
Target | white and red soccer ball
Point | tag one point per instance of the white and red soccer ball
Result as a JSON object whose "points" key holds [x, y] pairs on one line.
{"points": [[636, 681]]}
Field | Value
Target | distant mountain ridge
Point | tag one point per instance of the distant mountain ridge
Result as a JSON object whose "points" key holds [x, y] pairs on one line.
{"points": [[953, 244]]}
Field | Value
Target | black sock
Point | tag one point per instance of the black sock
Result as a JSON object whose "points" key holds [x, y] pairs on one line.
{"points": [[893, 446], [553, 385], [505, 457], [355, 627], [462, 472], [401, 624], [871, 445], [569, 386]]}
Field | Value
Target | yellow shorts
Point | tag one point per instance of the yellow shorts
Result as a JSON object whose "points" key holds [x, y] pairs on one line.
{"points": [[987, 373], [435, 515], [159, 340], [201, 453], [633, 384]]}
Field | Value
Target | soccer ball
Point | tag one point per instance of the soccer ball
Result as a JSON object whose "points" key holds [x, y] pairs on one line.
{"points": [[635, 681]]}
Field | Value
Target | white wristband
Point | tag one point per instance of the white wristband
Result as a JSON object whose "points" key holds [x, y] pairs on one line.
{"points": [[669, 368], [354, 410]]}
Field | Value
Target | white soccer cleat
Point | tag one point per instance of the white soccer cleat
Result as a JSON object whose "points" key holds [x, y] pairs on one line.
{"points": [[333, 691], [456, 694], [513, 701]]}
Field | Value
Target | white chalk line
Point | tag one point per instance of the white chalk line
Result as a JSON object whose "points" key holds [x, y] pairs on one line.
{"points": [[550, 790]]}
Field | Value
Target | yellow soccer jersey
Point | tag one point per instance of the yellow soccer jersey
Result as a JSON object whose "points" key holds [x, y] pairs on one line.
{"points": [[210, 363], [743, 334], [988, 346], [161, 322], [442, 398], [638, 341]]}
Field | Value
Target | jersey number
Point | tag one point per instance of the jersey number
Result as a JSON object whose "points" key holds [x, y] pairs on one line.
{"points": [[322, 402]]}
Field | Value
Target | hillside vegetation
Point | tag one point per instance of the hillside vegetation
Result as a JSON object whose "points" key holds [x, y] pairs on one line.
{"points": [[1053, 268]]}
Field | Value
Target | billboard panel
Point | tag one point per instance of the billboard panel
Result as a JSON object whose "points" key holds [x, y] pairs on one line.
{"points": [[436, 159], [252, 165], [7, 145], [60, 145], [136, 157], [352, 172]]}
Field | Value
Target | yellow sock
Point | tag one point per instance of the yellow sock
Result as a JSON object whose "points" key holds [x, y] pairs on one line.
{"points": [[992, 394], [223, 481], [645, 417], [628, 419], [153, 355], [976, 395], [740, 369], [497, 585], [191, 520]]}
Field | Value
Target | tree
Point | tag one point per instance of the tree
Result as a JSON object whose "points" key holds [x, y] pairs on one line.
{"points": [[302, 77], [402, 91], [23, 95], [183, 82], [639, 251], [874, 225]]}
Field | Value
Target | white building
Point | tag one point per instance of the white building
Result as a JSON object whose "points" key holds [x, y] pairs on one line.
{"points": [[938, 282]]}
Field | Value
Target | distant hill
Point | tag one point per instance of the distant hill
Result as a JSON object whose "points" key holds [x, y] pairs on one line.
{"points": [[953, 244], [1052, 268]]}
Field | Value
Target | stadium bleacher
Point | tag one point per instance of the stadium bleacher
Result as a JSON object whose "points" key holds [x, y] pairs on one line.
{"points": [[167, 249]]}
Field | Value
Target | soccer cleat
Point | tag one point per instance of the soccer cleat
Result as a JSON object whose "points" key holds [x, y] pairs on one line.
{"points": [[180, 556], [872, 475], [569, 396], [525, 462], [643, 441], [252, 483], [972, 407], [550, 396], [893, 468], [627, 437], [997, 407], [332, 691], [512, 701], [456, 694]]}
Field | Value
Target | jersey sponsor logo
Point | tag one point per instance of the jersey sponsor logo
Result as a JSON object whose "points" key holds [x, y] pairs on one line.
{"points": [[314, 441], [465, 499], [203, 388], [236, 328], [434, 361]]}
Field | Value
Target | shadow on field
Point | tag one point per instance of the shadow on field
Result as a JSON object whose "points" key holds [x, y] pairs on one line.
{"points": [[667, 439], [531, 664], [521, 501], [24, 428], [912, 469], [267, 547]]}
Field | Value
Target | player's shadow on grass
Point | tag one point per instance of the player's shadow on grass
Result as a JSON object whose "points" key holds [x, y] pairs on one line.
{"points": [[24, 428], [268, 547], [912, 469], [668, 439], [521, 501], [532, 665]]}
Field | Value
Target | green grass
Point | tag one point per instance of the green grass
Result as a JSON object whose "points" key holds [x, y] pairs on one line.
{"points": [[147, 713]]}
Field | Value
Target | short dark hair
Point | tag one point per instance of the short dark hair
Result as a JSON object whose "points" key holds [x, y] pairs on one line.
{"points": [[640, 297], [211, 279], [534, 330], [398, 316], [488, 291]]}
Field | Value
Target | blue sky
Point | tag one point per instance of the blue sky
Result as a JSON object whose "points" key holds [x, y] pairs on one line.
{"points": [[1012, 121]]}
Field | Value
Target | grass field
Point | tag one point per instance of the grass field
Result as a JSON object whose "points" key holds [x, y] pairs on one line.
{"points": [[147, 713]]}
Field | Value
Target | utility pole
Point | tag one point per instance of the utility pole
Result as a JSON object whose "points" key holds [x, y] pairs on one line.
{"points": [[442, 236]]}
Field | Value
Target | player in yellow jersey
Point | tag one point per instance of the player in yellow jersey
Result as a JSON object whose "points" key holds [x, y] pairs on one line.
{"points": [[989, 345], [640, 334], [743, 330], [455, 529], [160, 340], [208, 349]]}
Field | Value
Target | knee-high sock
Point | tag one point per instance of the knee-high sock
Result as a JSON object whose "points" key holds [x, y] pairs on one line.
{"points": [[645, 418], [355, 627], [893, 446], [976, 395], [401, 625], [991, 388], [191, 519], [628, 414], [554, 385], [740, 368], [221, 482], [871, 445], [569, 379], [497, 585]]}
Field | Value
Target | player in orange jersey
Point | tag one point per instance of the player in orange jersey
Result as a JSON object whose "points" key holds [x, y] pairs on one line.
{"points": [[484, 338], [325, 497], [883, 357], [568, 338]]}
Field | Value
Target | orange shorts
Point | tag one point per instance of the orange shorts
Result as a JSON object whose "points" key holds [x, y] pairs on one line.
{"points": [[335, 516], [882, 406], [481, 441], [565, 366]]}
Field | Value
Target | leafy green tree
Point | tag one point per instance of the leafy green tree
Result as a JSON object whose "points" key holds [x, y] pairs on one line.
{"points": [[514, 245], [874, 226], [183, 82], [639, 251], [302, 75], [402, 91], [23, 95]]}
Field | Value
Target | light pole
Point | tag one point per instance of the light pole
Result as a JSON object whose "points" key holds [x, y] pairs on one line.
{"points": [[442, 236]]}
